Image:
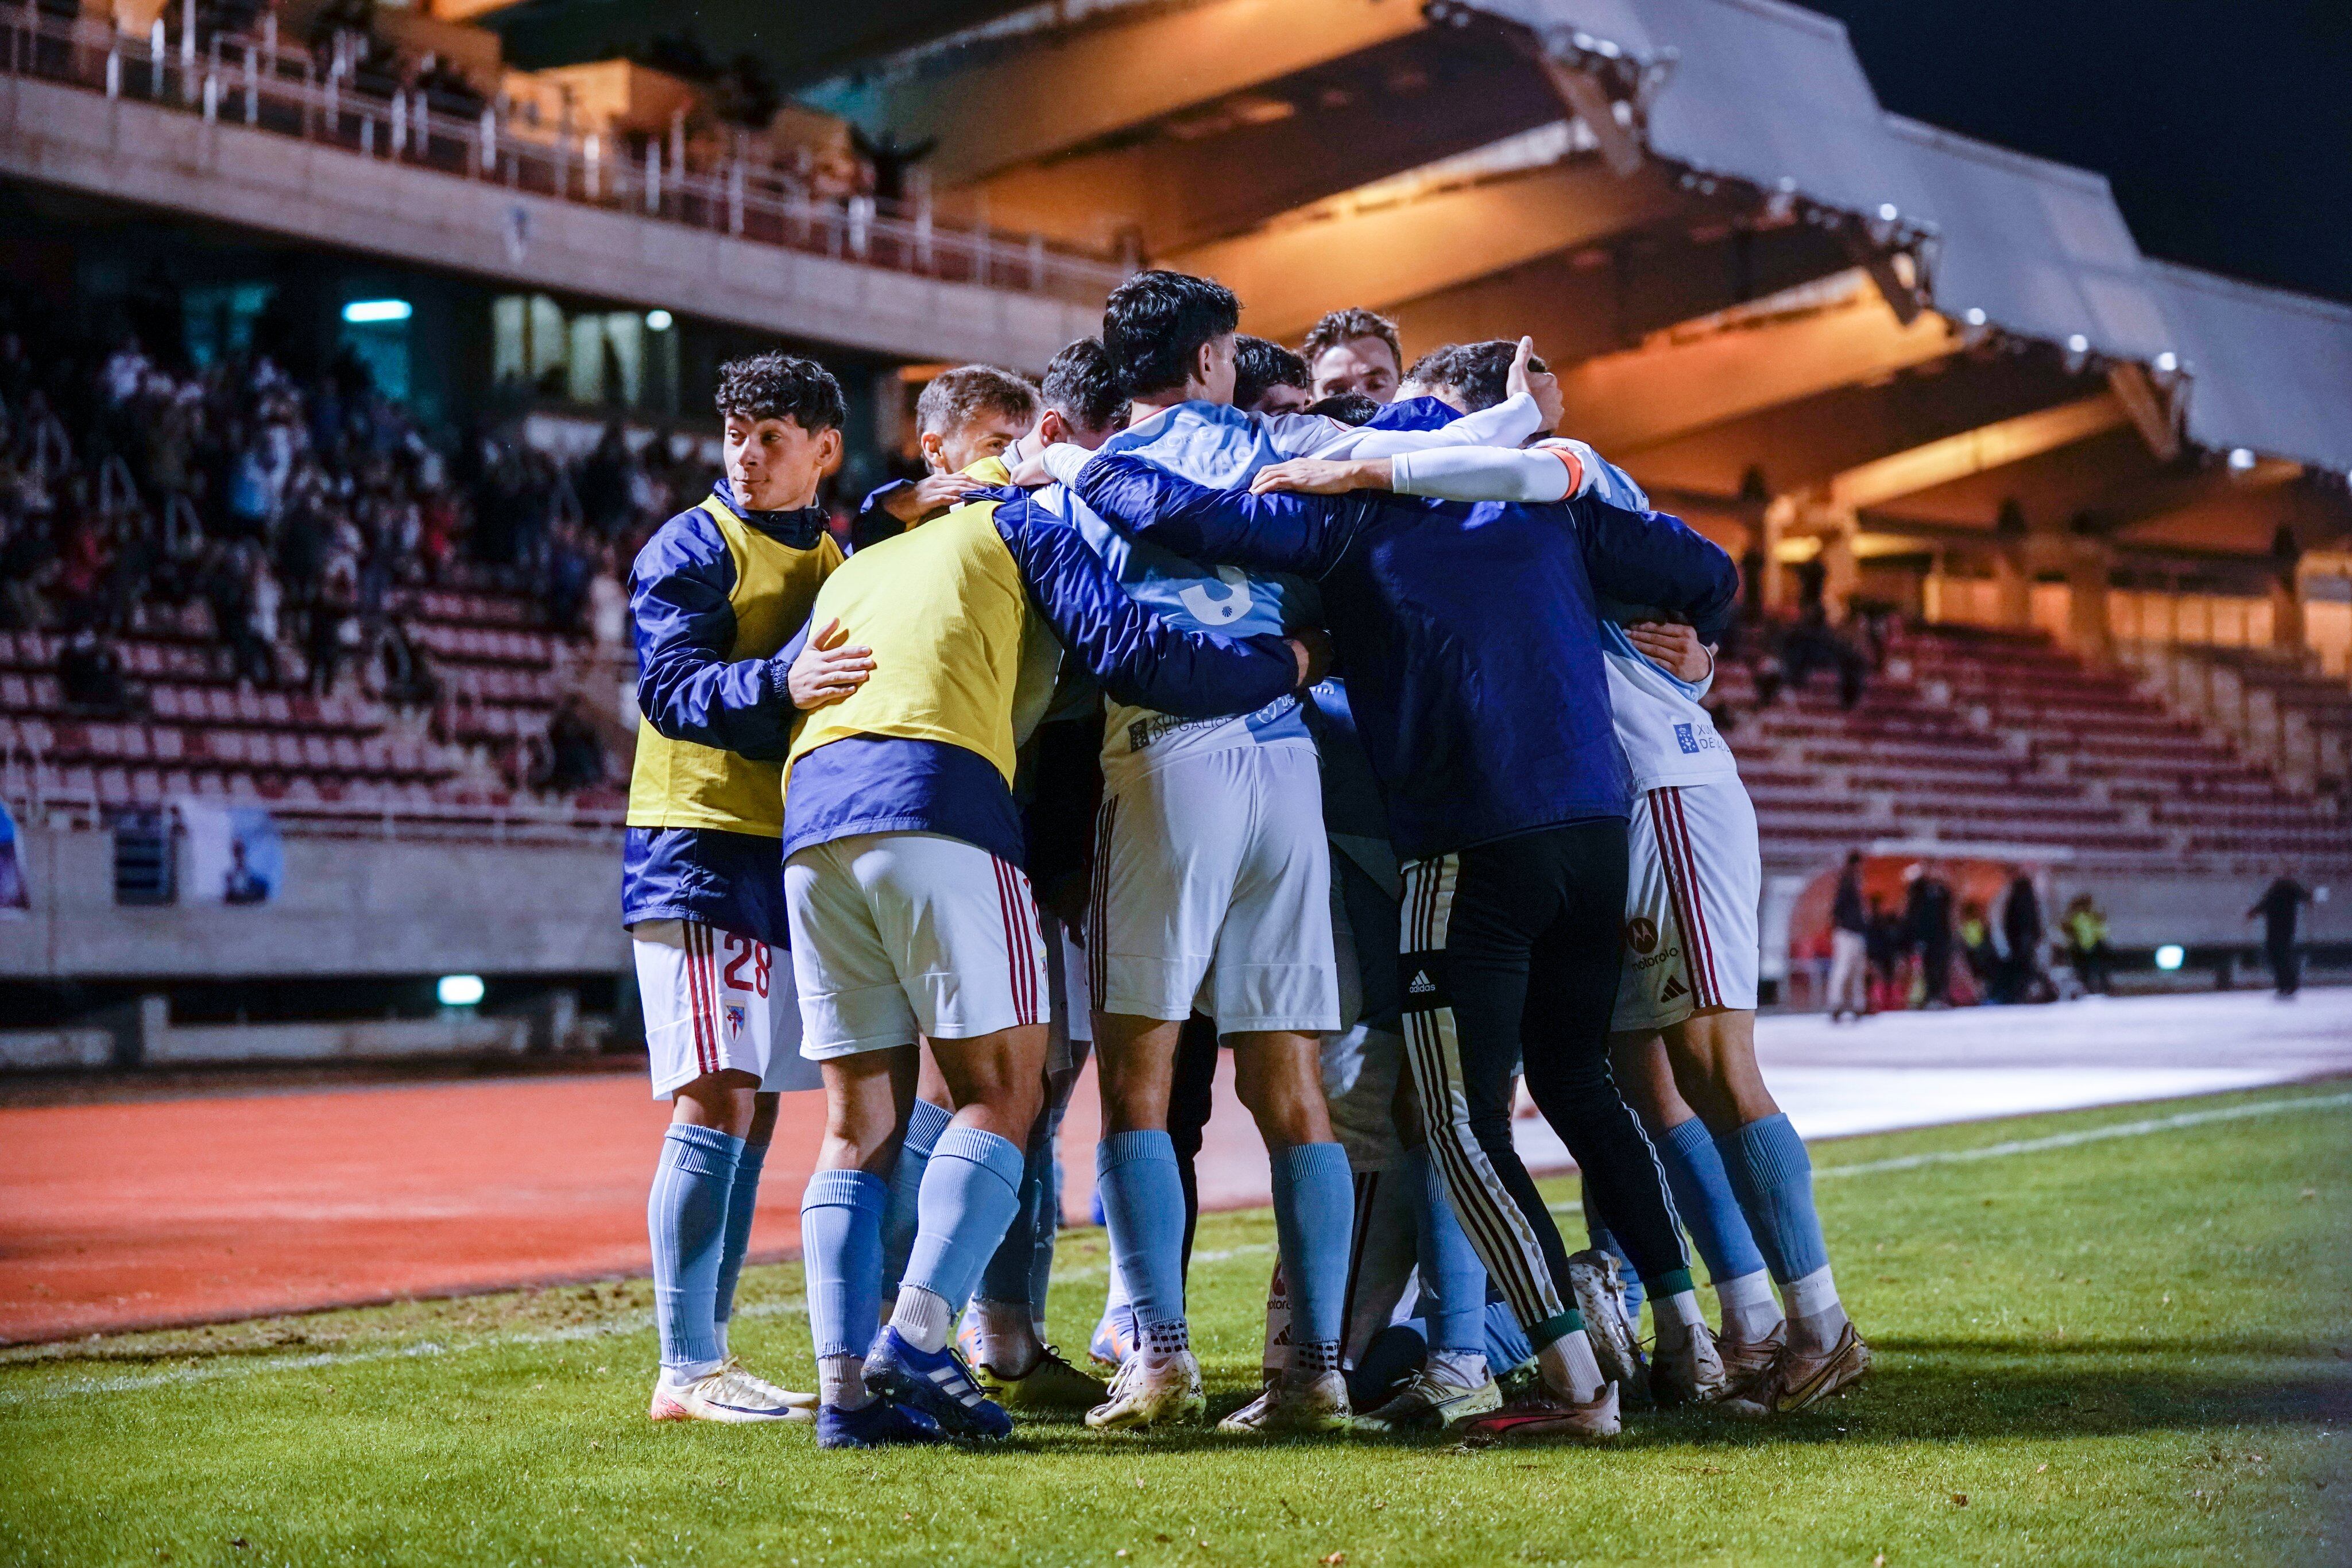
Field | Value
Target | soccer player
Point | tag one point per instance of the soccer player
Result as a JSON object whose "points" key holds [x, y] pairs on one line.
{"points": [[1187, 909], [963, 418], [909, 916], [1485, 716], [1684, 1031], [714, 595], [1268, 378], [1002, 1333], [1354, 350]]}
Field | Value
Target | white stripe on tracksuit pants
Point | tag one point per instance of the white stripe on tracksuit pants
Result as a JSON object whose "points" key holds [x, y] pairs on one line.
{"points": [[1511, 948]]}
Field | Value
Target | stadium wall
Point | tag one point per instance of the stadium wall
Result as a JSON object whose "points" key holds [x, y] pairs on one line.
{"points": [[346, 908], [176, 161]]}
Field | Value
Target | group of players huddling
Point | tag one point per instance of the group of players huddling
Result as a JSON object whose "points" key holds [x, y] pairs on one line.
{"points": [[1360, 661]]}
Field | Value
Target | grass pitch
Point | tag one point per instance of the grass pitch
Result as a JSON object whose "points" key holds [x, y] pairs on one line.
{"points": [[2131, 1347]]}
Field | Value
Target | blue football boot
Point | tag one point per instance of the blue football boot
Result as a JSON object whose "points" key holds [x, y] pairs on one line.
{"points": [[878, 1424], [937, 1383]]}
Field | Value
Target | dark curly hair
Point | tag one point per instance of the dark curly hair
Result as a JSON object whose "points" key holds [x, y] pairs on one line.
{"points": [[1259, 365], [1477, 373], [1083, 388], [1155, 323], [777, 385]]}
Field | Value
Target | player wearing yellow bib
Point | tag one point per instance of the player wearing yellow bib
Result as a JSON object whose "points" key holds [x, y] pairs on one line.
{"points": [[716, 596]]}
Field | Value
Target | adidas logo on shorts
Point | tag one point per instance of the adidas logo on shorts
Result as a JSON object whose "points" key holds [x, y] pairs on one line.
{"points": [[1674, 988], [1423, 986]]}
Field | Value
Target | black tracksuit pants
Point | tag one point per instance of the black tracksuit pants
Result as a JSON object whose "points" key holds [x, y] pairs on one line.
{"points": [[1511, 953]]}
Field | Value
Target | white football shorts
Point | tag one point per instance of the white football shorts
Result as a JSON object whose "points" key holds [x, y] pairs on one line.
{"points": [[716, 1001], [1213, 890], [895, 933], [1693, 880]]}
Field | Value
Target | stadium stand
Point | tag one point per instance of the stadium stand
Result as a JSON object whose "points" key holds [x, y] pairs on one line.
{"points": [[1983, 736]]}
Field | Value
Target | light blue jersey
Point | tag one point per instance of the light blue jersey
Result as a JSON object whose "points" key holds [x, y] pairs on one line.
{"points": [[1222, 446]]}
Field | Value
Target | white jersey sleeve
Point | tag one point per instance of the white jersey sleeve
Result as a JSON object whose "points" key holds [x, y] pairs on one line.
{"points": [[1507, 424], [1536, 474]]}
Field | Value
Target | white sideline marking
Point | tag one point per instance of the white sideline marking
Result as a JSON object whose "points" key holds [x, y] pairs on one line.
{"points": [[2059, 1140], [626, 1324], [2088, 1135], [636, 1322]]}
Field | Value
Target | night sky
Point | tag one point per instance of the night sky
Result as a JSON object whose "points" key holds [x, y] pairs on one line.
{"points": [[2226, 128]]}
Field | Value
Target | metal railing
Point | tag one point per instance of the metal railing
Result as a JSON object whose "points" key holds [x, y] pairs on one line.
{"points": [[254, 82]]}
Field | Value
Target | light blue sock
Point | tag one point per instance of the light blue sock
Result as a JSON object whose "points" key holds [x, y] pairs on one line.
{"points": [[1771, 1171], [742, 1199], [1705, 1199], [1506, 1343], [686, 1216], [1314, 1219], [1144, 1203], [1049, 1223], [924, 1126], [841, 1259], [969, 1195], [1452, 1281], [1011, 1270]]}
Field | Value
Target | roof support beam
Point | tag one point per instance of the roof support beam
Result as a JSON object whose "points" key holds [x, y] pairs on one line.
{"points": [[1624, 402], [999, 104], [1288, 274], [1974, 451]]}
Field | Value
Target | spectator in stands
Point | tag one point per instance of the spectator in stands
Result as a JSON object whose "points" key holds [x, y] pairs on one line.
{"points": [[2086, 940], [1883, 947], [2021, 931], [1927, 931], [1977, 946], [1849, 944], [608, 604], [2280, 907], [576, 754], [90, 676]]}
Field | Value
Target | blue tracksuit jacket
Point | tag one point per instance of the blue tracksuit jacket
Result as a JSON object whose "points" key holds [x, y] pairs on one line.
{"points": [[1468, 633]]}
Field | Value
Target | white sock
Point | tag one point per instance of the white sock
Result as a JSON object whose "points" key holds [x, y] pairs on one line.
{"points": [[1009, 1342], [1750, 1312], [723, 1352], [1457, 1368], [1675, 1317], [679, 1373], [841, 1382], [1570, 1369], [921, 1318], [1813, 1295], [1815, 1314]]}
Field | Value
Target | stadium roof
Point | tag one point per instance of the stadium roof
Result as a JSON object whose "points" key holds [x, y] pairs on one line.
{"points": [[2037, 249], [2269, 371]]}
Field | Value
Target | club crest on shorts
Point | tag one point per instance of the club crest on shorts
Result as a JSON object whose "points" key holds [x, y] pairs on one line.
{"points": [[734, 1012], [1641, 934]]}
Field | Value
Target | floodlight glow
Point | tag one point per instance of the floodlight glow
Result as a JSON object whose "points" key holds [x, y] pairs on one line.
{"points": [[1889, 211], [459, 991], [2170, 956], [2242, 458], [657, 321], [2078, 344], [2168, 361], [369, 312], [1976, 316]]}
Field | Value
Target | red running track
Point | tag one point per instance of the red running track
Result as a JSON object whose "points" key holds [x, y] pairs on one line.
{"points": [[152, 1213]]}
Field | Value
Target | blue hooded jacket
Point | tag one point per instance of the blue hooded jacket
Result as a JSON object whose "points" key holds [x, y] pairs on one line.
{"points": [[1468, 633]]}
